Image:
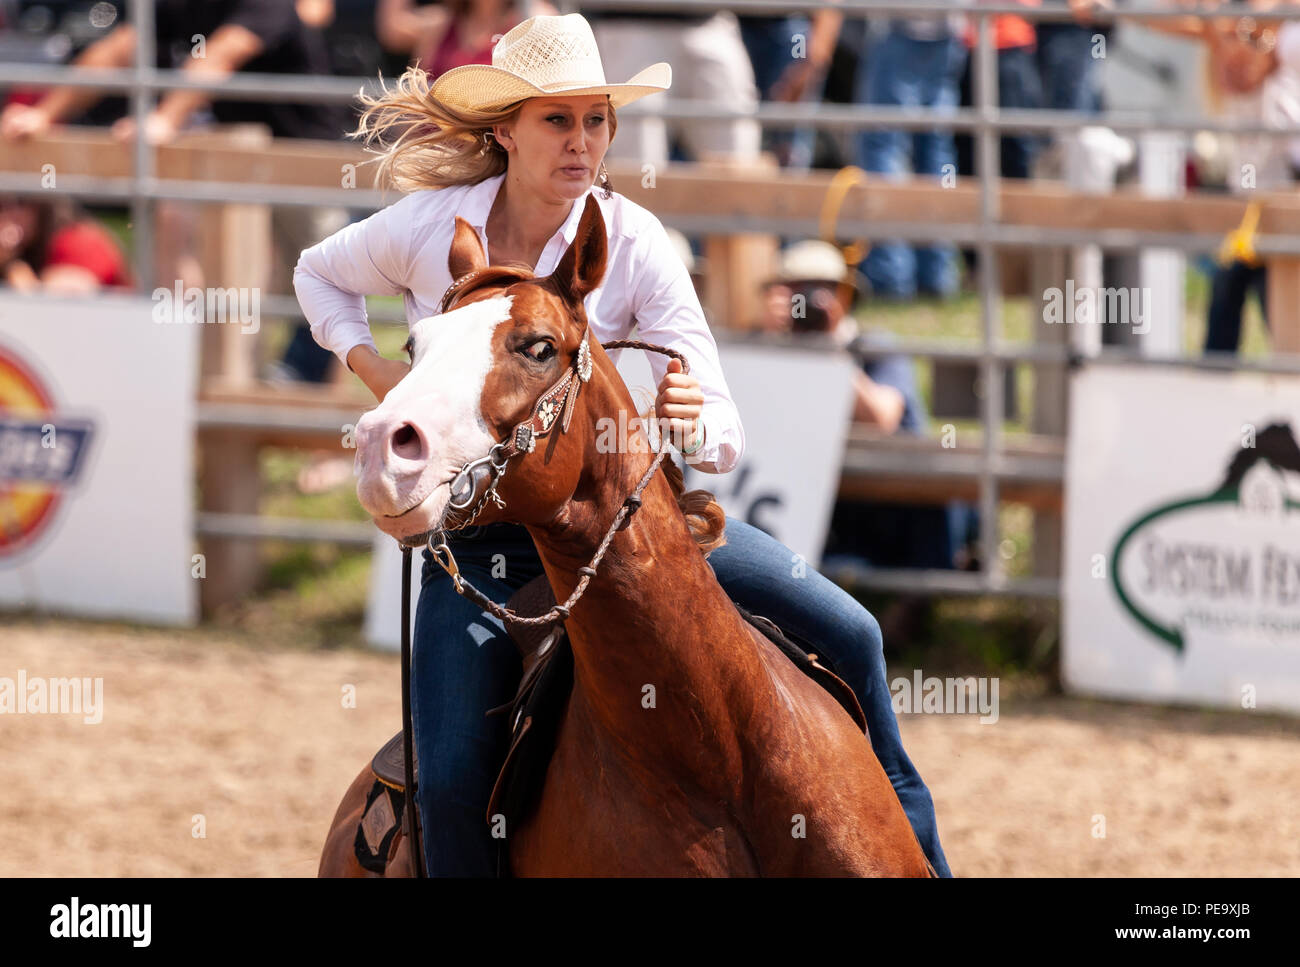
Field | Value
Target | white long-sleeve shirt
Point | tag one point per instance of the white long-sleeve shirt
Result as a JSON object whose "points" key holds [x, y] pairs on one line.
{"points": [[403, 249]]}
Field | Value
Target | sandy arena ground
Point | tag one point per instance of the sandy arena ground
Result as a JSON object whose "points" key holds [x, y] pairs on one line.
{"points": [[259, 744]]}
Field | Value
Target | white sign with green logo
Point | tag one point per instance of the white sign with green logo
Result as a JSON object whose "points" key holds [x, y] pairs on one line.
{"points": [[1182, 537]]}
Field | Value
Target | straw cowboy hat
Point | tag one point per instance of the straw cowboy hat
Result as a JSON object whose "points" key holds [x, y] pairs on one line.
{"points": [[814, 260], [543, 55]]}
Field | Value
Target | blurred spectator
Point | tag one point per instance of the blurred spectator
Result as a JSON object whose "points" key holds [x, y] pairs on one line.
{"points": [[1019, 87], [316, 14], [450, 34], [1255, 79], [214, 39], [265, 36], [911, 62], [791, 57], [709, 63], [1256, 67], [1070, 58], [811, 294], [56, 247]]}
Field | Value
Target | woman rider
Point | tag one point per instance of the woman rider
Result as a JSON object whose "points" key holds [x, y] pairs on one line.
{"points": [[514, 148]]}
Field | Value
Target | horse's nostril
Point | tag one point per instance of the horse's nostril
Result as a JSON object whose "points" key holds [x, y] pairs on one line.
{"points": [[406, 442]]}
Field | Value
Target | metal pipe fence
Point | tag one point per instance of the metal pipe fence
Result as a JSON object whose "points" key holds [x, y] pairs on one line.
{"points": [[985, 120]]}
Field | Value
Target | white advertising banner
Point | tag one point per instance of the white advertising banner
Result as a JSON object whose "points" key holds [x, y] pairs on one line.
{"points": [[384, 602], [1182, 537], [97, 409], [795, 404]]}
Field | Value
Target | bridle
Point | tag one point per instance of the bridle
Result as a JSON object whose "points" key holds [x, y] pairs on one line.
{"points": [[476, 482]]}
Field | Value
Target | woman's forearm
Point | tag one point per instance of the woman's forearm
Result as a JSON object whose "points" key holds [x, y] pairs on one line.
{"points": [[379, 373], [115, 50], [330, 278]]}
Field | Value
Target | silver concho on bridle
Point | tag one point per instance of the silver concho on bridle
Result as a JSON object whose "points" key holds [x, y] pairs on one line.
{"points": [[584, 356]]}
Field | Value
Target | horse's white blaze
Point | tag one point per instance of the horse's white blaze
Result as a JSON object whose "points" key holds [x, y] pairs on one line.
{"points": [[442, 399]]}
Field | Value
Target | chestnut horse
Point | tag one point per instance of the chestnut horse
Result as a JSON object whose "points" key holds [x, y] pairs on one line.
{"points": [[741, 765]]}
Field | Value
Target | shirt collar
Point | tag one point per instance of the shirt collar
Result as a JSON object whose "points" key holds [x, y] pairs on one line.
{"points": [[477, 203]]}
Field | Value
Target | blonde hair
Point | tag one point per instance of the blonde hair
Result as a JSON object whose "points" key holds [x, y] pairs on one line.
{"points": [[423, 143]]}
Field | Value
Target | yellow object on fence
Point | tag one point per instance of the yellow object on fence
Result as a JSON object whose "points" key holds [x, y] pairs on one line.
{"points": [[836, 191], [1239, 244]]}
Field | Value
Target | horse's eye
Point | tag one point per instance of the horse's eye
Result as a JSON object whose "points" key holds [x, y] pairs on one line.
{"points": [[541, 350]]}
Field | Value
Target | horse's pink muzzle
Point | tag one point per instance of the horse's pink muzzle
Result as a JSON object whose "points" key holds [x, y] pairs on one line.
{"points": [[396, 471]]}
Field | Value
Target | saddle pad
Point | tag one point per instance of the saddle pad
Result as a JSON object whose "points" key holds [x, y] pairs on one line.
{"points": [[543, 696], [380, 821]]}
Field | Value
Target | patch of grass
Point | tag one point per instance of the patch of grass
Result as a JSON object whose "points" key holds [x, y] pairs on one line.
{"points": [[971, 635], [957, 322], [315, 598], [117, 221], [313, 595]]}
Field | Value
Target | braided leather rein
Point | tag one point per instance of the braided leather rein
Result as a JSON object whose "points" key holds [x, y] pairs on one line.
{"points": [[498, 459]]}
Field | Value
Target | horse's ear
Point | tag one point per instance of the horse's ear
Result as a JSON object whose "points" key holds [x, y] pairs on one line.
{"points": [[582, 267], [466, 250]]}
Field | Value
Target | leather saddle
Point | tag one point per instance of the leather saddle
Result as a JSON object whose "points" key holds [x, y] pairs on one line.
{"points": [[538, 708]]}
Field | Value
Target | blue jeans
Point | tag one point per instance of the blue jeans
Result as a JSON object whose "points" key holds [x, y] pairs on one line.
{"points": [[1019, 87], [1229, 288], [464, 663], [770, 44], [900, 71], [1071, 75]]}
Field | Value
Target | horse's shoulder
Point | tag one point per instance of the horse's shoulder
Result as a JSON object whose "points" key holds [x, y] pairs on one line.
{"points": [[790, 684], [799, 679]]}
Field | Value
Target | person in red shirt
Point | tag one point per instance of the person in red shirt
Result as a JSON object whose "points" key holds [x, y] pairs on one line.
{"points": [[57, 247]]}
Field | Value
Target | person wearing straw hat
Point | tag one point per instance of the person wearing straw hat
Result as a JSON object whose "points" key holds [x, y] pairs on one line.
{"points": [[515, 148], [812, 292]]}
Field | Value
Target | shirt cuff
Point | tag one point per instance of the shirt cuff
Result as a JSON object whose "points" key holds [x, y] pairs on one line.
{"points": [[342, 353], [722, 445]]}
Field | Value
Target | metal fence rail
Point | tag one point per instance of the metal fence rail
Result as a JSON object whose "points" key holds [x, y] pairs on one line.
{"points": [[985, 120]]}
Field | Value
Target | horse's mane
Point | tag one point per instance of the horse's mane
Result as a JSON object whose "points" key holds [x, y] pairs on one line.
{"points": [[704, 517]]}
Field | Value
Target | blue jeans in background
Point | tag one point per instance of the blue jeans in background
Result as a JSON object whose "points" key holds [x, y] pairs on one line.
{"points": [[901, 71], [464, 663], [770, 42], [1070, 73], [1229, 287], [1019, 87]]}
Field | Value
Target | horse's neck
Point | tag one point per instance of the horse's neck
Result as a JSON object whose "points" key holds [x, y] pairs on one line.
{"points": [[653, 627]]}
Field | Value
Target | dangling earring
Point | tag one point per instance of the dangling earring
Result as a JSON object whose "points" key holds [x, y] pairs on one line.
{"points": [[606, 187]]}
